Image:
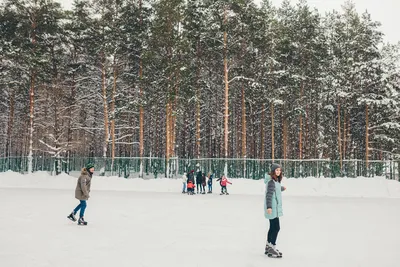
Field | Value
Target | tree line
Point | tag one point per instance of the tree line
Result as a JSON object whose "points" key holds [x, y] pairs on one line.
{"points": [[196, 79]]}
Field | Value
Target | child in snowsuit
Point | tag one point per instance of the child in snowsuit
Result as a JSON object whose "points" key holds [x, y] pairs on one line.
{"points": [[82, 191], [273, 208], [190, 187], [224, 182]]}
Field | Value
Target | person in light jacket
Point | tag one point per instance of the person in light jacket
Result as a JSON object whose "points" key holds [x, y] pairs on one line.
{"points": [[273, 208], [82, 192], [184, 182]]}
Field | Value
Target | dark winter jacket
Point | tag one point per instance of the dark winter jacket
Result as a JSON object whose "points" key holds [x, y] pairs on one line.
{"points": [[83, 185], [199, 178], [191, 177]]}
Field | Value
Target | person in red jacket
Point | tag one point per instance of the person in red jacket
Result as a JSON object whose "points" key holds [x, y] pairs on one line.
{"points": [[190, 187], [224, 182]]}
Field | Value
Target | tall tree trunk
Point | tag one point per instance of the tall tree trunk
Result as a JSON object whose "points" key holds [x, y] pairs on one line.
{"points": [[32, 96], [56, 94], [105, 105], [56, 126], [10, 124], [174, 112], [344, 134], [262, 132], [114, 93], [226, 111], [141, 109], [339, 139], [272, 131], [301, 124], [285, 133], [198, 133], [198, 110], [366, 137], [168, 131], [307, 145], [70, 115], [244, 125]]}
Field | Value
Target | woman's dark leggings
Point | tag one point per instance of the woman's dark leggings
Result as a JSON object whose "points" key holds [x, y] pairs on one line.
{"points": [[274, 228]]}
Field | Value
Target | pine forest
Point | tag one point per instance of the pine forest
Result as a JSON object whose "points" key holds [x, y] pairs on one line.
{"points": [[193, 79]]}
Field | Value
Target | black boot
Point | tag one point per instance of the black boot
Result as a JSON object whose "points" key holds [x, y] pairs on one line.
{"points": [[72, 217], [82, 221]]}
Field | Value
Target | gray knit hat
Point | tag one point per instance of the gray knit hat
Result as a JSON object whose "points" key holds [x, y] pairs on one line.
{"points": [[275, 166]]}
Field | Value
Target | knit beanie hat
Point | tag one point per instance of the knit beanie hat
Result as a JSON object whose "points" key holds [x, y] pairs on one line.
{"points": [[89, 166], [274, 166]]}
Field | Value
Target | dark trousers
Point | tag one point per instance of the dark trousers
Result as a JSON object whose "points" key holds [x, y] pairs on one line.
{"points": [[199, 187], [82, 206], [274, 228], [223, 189]]}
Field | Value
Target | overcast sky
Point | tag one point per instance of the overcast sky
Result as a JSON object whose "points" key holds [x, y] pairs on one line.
{"points": [[384, 11]]}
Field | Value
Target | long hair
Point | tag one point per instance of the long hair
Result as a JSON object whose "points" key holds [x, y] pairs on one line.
{"points": [[276, 178]]}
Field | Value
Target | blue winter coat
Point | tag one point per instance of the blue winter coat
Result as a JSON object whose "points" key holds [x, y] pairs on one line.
{"points": [[273, 198]]}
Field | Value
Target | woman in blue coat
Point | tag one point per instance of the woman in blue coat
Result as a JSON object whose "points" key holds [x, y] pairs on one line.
{"points": [[273, 208]]}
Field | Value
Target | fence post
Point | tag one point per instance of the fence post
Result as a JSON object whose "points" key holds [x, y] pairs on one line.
{"points": [[176, 167]]}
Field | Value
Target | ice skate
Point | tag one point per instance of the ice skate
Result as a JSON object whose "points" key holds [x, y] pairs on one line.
{"points": [[268, 246], [273, 253], [280, 253], [82, 221], [72, 217]]}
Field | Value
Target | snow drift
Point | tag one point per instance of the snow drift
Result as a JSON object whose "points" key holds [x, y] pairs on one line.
{"points": [[378, 187]]}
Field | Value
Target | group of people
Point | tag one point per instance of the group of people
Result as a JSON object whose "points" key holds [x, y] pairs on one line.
{"points": [[190, 182], [272, 199]]}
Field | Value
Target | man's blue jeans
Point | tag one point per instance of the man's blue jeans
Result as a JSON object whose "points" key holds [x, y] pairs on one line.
{"points": [[82, 206]]}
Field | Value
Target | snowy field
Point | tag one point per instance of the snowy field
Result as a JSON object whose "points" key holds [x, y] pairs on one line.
{"points": [[149, 223]]}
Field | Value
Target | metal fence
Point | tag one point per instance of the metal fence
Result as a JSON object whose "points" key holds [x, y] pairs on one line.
{"points": [[235, 168]]}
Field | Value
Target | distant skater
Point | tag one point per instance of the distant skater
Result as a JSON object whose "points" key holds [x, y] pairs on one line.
{"points": [[223, 181], [82, 192], [209, 182], [184, 182], [203, 183], [199, 182]]}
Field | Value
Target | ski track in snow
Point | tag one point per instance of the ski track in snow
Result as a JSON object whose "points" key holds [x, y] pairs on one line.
{"points": [[159, 229]]}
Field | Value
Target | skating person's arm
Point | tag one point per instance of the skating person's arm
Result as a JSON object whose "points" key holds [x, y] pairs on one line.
{"points": [[270, 193], [283, 188], [84, 186]]}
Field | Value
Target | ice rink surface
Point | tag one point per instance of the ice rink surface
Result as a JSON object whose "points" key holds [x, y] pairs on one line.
{"points": [[157, 229]]}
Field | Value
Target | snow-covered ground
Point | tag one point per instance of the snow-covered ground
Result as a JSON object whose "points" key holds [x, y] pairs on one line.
{"points": [[326, 222]]}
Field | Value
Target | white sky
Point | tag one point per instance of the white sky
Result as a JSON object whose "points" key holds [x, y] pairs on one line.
{"points": [[384, 11]]}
